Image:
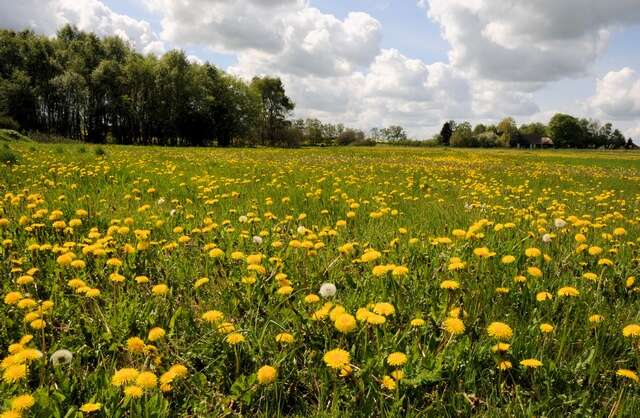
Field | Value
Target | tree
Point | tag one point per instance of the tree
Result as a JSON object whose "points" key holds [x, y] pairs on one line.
{"points": [[394, 133], [566, 131], [350, 136], [18, 100], [235, 107], [463, 136], [617, 140], [479, 128], [507, 131], [375, 134], [535, 128], [276, 106], [447, 131]]}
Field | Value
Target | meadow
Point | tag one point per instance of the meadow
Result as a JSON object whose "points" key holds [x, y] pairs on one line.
{"points": [[386, 281]]}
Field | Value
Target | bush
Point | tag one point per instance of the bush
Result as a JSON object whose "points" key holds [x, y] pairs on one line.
{"points": [[350, 136], [99, 151], [7, 156], [364, 143], [7, 122]]}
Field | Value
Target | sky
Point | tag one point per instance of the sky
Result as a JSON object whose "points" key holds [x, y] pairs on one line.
{"points": [[374, 63]]}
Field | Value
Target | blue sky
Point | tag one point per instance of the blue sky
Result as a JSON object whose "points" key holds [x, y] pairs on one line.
{"points": [[379, 62]]}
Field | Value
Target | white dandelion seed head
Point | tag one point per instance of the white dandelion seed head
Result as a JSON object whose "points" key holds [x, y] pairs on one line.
{"points": [[61, 357], [257, 239], [560, 223], [327, 290], [301, 230], [173, 212], [546, 238], [161, 200], [243, 219]]}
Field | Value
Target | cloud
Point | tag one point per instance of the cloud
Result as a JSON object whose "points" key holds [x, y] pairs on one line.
{"points": [[528, 41], [273, 35], [46, 16], [501, 53], [617, 95], [225, 25], [394, 89]]}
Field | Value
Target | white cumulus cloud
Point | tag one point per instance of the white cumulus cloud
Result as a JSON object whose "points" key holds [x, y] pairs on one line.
{"points": [[530, 41], [46, 16], [617, 95]]}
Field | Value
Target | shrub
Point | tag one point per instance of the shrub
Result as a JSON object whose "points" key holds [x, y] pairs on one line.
{"points": [[7, 122], [99, 151], [7, 156]]}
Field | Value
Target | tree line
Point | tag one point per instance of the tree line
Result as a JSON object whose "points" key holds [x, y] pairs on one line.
{"points": [[80, 86], [563, 131], [99, 90]]}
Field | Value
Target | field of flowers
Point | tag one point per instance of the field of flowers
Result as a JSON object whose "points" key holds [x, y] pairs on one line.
{"points": [[153, 282]]}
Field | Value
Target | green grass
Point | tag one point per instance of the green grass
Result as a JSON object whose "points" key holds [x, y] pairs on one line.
{"points": [[401, 201]]}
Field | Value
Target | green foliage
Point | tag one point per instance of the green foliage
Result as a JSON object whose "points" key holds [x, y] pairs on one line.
{"points": [[11, 135], [276, 106], [566, 131], [394, 133], [100, 90], [463, 136], [7, 156], [7, 122]]}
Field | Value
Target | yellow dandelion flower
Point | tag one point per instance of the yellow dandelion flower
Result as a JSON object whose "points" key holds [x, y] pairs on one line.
{"points": [[284, 338], [396, 359], [507, 259], [267, 375], [532, 252], [146, 380], [156, 334], [336, 358], [542, 296], [449, 285], [631, 330], [234, 338], [90, 407], [345, 323], [534, 272], [629, 374], [504, 365], [384, 308], [135, 345], [22, 402], [212, 316], [568, 291], [133, 391], [531, 363], [453, 326], [122, 376], [546, 328], [417, 322], [388, 383], [500, 331]]}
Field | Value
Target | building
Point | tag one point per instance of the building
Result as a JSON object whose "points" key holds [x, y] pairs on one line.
{"points": [[532, 141]]}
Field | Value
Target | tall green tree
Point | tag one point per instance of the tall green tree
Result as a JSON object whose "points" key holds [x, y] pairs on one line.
{"points": [[566, 131], [276, 106]]}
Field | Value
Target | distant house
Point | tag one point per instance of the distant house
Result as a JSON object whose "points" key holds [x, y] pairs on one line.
{"points": [[532, 141]]}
